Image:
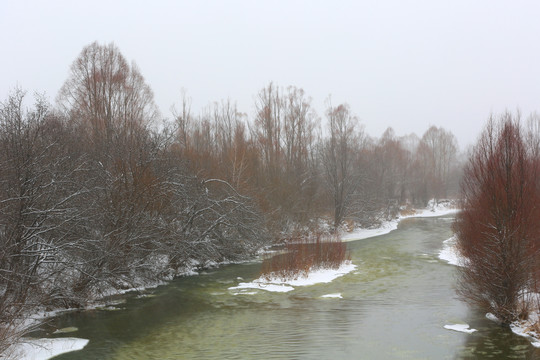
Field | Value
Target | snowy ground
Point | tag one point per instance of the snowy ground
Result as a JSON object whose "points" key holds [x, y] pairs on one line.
{"points": [[45, 348], [277, 284], [526, 328], [38, 349], [433, 209], [449, 252]]}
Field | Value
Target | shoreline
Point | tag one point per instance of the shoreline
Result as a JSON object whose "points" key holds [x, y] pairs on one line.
{"points": [[45, 348], [451, 255], [278, 284], [389, 226]]}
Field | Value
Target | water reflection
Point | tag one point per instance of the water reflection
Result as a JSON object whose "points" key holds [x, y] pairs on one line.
{"points": [[491, 341]]}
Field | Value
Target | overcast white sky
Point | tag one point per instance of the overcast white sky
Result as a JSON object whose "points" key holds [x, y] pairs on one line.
{"points": [[404, 64]]}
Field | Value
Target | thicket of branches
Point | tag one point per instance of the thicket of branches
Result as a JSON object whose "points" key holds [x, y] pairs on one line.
{"points": [[299, 170], [95, 196], [498, 229]]}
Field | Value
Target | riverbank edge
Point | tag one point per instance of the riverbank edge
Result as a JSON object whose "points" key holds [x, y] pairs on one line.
{"points": [[434, 209], [107, 298], [451, 255]]}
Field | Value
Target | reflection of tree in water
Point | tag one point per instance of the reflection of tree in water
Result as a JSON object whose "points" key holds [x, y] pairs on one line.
{"points": [[494, 342]]}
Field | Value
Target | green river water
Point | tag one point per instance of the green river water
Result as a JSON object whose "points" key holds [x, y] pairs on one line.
{"points": [[394, 306]]}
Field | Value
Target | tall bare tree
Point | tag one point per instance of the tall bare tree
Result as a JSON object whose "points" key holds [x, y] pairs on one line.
{"points": [[436, 155], [39, 216], [106, 95], [268, 127], [338, 158]]}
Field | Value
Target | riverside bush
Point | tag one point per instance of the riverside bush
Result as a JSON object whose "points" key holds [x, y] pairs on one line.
{"points": [[303, 254]]}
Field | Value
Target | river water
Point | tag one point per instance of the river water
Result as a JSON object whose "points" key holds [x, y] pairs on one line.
{"points": [[394, 306]]}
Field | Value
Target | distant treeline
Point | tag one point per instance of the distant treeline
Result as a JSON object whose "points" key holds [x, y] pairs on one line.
{"points": [[96, 194]]}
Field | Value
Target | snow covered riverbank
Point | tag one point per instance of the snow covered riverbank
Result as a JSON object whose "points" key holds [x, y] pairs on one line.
{"points": [[433, 209], [450, 254], [42, 349], [277, 284]]}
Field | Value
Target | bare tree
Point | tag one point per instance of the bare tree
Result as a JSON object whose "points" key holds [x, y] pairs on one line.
{"points": [[268, 127], [338, 158], [392, 162], [436, 154], [298, 129], [106, 95], [183, 119], [38, 196], [113, 109]]}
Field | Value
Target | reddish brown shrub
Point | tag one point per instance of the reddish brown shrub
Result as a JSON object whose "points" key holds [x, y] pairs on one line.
{"points": [[498, 227], [306, 253]]}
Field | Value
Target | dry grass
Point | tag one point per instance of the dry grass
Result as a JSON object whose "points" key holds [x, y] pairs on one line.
{"points": [[306, 253]]}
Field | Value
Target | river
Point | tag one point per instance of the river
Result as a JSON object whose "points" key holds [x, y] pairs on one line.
{"points": [[393, 306]]}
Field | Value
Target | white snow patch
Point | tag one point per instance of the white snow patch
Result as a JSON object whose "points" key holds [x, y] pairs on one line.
{"points": [[450, 253], [318, 276], [460, 327], [526, 328], [285, 285], [246, 293], [37, 349], [337, 296]]}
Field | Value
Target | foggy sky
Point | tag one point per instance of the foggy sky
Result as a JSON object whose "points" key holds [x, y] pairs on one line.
{"points": [[404, 64]]}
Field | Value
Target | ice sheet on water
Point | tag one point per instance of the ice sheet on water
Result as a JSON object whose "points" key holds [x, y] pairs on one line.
{"points": [[460, 327], [450, 254], [333, 296]]}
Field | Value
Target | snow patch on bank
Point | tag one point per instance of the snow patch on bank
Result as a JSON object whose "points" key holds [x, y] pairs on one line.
{"points": [[277, 284], [437, 208], [524, 328], [450, 253], [460, 327], [38, 349], [434, 209]]}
